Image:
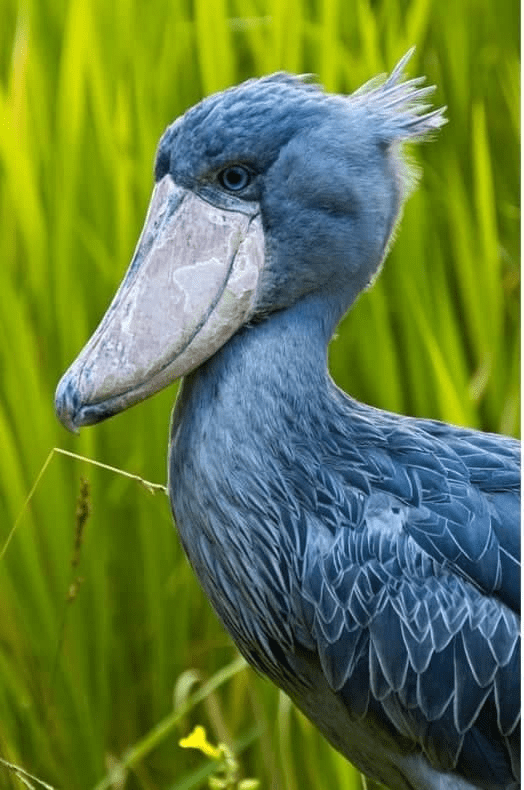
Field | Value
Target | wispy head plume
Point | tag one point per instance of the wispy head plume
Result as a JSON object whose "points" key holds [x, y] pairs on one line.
{"points": [[399, 105]]}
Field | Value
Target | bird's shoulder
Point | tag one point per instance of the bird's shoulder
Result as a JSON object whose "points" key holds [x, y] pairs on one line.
{"points": [[455, 491]]}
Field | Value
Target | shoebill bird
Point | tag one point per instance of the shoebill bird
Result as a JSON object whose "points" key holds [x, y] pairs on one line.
{"points": [[366, 562]]}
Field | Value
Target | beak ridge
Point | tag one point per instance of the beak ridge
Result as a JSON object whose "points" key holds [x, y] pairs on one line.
{"points": [[191, 284]]}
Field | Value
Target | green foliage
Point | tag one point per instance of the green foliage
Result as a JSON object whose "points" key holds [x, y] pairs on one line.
{"points": [[96, 635]]}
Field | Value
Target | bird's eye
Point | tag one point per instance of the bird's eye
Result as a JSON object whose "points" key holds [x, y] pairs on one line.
{"points": [[234, 178]]}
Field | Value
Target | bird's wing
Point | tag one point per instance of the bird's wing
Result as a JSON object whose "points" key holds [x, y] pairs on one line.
{"points": [[406, 552], [461, 488], [467, 497], [407, 641]]}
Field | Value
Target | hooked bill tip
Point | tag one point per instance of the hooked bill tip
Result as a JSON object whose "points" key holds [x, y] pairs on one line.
{"points": [[67, 405]]}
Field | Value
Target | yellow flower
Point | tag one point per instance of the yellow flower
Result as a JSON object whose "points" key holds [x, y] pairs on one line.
{"points": [[198, 740]]}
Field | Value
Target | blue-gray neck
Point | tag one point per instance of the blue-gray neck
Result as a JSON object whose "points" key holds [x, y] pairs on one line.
{"points": [[265, 369], [241, 420], [271, 371]]}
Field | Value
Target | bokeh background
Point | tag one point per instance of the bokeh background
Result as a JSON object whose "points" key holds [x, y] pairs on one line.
{"points": [[109, 652]]}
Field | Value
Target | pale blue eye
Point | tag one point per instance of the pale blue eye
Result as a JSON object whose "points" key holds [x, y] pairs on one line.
{"points": [[235, 178]]}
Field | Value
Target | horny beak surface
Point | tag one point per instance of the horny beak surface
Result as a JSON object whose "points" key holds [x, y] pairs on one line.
{"points": [[191, 284]]}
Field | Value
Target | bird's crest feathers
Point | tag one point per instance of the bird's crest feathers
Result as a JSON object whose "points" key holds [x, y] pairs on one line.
{"points": [[400, 105], [397, 105]]}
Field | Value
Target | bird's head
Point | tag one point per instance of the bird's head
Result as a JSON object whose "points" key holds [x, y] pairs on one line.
{"points": [[264, 194]]}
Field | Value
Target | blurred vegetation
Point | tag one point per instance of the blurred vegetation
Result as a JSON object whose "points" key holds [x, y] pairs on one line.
{"points": [[109, 652]]}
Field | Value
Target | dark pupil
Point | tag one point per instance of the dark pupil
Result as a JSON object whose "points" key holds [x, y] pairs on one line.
{"points": [[235, 177]]}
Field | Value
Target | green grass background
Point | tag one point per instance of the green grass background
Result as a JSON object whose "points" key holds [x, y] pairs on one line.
{"points": [[105, 680]]}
